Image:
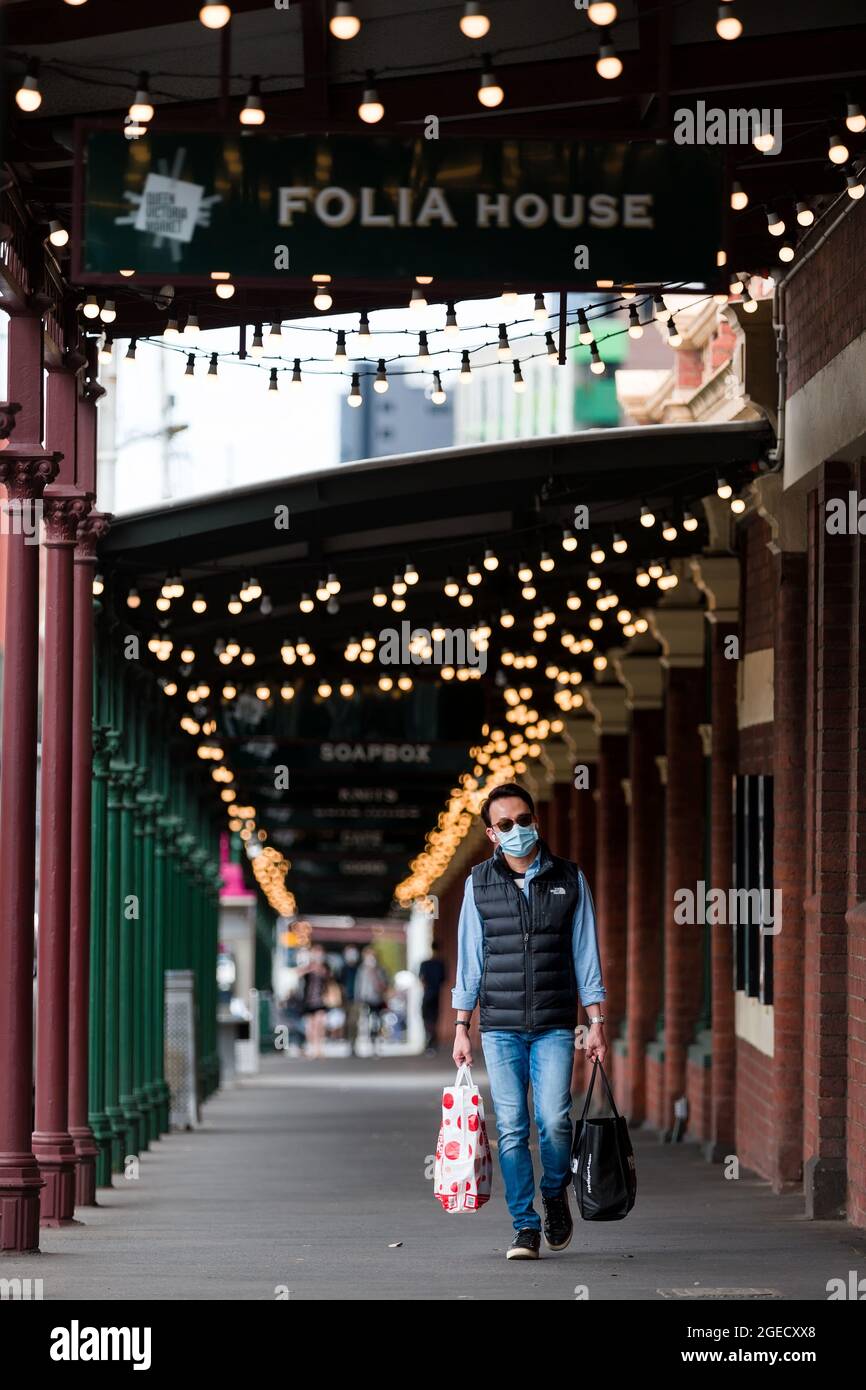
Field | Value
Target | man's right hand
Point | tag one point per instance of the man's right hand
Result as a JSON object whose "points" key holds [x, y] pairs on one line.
{"points": [[462, 1050]]}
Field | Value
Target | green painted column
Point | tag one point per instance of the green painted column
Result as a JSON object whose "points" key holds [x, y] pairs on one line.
{"points": [[166, 828], [129, 925], [138, 927], [97, 1117], [149, 967], [113, 926]]}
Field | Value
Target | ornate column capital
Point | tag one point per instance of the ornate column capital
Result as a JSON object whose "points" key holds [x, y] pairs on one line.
{"points": [[581, 739], [91, 529], [607, 704], [678, 622], [63, 508], [784, 511], [638, 667], [25, 476], [718, 577]]}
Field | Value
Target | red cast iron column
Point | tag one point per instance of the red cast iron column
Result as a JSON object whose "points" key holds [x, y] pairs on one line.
{"points": [[90, 531], [24, 478], [64, 508], [25, 468]]}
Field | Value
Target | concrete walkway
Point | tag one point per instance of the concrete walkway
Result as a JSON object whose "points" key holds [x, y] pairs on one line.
{"points": [[304, 1177]]}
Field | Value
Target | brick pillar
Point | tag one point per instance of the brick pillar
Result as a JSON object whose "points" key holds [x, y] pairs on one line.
{"points": [[831, 613], [640, 671], [856, 914], [679, 625], [718, 576], [791, 842], [582, 741], [606, 702]]}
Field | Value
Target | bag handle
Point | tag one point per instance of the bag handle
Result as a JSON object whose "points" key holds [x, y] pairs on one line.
{"points": [[596, 1064], [462, 1073]]}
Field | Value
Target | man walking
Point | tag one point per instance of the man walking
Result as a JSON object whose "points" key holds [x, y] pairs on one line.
{"points": [[527, 950]]}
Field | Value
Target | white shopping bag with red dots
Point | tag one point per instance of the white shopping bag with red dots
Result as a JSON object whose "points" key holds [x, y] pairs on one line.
{"points": [[464, 1163]]}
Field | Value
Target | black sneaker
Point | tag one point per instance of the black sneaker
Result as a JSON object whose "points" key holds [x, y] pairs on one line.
{"points": [[558, 1225], [525, 1246]]}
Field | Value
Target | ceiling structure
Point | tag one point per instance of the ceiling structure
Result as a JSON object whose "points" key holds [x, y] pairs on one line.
{"points": [[350, 821], [790, 58], [369, 771]]}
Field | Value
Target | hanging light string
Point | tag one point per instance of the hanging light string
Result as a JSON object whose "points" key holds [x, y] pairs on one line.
{"points": [[264, 363]]}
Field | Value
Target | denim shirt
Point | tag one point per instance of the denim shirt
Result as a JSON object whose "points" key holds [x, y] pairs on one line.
{"points": [[584, 944]]}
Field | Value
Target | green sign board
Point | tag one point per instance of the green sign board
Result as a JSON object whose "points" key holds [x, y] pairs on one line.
{"points": [[275, 208]]}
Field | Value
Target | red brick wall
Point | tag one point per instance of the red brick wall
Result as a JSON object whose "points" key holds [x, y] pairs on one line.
{"points": [[755, 1112], [825, 306]]}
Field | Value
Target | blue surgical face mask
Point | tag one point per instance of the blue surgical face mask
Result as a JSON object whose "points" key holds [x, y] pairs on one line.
{"points": [[519, 840]]}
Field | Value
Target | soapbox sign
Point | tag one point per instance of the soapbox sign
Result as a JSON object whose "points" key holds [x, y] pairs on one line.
{"points": [[386, 207]]}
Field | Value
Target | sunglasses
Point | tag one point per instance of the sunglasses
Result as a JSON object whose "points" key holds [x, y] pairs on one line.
{"points": [[524, 820]]}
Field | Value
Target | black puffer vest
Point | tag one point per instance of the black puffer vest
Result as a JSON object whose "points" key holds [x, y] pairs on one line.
{"points": [[528, 978]]}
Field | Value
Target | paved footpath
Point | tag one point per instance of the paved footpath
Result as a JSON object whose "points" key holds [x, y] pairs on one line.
{"points": [[306, 1176]]}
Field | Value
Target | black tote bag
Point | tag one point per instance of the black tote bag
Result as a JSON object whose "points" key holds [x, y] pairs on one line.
{"points": [[602, 1161]]}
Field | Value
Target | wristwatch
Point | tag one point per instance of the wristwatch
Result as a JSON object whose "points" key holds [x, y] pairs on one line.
{"points": [[600, 1018], [462, 1023]]}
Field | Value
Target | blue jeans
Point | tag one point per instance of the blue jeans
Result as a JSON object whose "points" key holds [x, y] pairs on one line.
{"points": [[545, 1057]]}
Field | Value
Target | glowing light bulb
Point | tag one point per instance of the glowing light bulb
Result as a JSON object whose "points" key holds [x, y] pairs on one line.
{"points": [[344, 23], [608, 64], [474, 23], [490, 92], [370, 109], [215, 16]]}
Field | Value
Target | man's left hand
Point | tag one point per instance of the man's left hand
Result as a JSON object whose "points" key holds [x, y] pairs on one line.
{"points": [[596, 1043]]}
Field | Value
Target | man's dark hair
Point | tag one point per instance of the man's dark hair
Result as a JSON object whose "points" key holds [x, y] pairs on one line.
{"points": [[506, 789]]}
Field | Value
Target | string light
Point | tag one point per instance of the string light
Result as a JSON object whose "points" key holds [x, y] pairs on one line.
{"points": [[775, 224], [213, 369], [805, 215], [674, 335], [855, 119], [584, 332], [596, 365], [504, 347], [451, 319], [90, 308], [437, 395], [322, 299], [224, 289], [417, 299], [355, 397], [28, 96], [474, 23], [608, 64], [552, 351], [57, 233], [130, 351], [273, 383], [190, 365], [739, 197], [141, 106], [490, 92], [370, 109], [635, 327], [252, 111], [296, 373], [380, 384], [215, 16], [728, 26], [465, 367], [837, 152], [344, 23], [106, 350], [855, 188], [518, 383], [602, 12]]}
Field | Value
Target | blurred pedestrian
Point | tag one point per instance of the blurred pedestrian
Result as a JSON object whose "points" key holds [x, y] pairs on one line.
{"points": [[371, 988], [315, 977], [432, 976], [348, 978]]}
